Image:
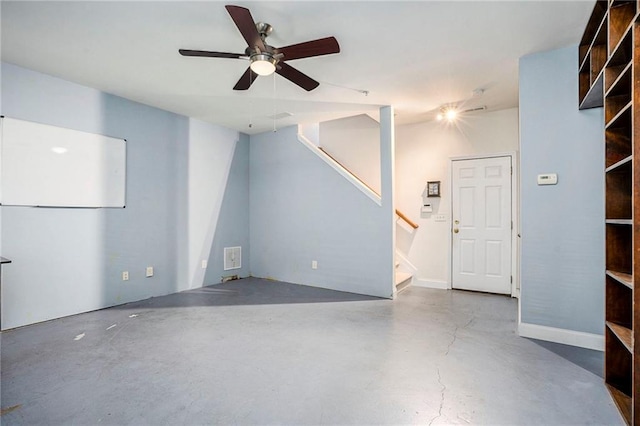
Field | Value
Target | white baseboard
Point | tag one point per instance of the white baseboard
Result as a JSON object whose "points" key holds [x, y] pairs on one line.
{"points": [[442, 285], [561, 335]]}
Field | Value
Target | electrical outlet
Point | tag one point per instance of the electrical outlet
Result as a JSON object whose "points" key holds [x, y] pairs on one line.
{"points": [[149, 271], [314, 264], [204, 264], [125, 275]]}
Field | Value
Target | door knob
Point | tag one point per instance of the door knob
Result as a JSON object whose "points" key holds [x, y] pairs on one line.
{"points": [[456, 230]]}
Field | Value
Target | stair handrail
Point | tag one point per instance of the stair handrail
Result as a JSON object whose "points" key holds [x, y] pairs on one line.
{"points": [[406, 219]]}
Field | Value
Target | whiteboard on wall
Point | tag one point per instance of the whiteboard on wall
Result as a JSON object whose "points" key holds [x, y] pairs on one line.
{"points": [[49, 166]]}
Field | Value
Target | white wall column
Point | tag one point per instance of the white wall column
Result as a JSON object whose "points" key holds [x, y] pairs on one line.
{"points": [[387, 176]]}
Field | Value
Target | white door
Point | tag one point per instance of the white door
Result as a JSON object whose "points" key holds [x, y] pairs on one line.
{"points": [[481, 225]]}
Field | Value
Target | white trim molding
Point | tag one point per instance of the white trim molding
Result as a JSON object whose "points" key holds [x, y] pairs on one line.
{"points": [[420, 282], [313, 147], [561, 335]]}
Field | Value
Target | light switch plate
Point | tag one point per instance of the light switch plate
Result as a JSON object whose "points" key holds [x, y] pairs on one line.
{"points": [[440, 218]]}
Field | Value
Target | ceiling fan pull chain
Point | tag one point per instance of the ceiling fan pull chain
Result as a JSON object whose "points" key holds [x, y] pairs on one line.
{"points": [[250, 111], [274, 102]]}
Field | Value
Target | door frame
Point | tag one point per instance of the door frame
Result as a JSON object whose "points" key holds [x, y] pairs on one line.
{"points": [[515, 282]]}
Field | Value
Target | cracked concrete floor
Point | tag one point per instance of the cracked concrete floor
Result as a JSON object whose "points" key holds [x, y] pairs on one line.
{"points": [[262, 352]]}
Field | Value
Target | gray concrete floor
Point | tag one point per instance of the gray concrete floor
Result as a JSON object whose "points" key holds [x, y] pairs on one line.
{"points": [[261, 352]]}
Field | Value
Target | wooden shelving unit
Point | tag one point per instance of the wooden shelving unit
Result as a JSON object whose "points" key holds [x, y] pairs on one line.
{"points": [[614, 83], [592, 57]]}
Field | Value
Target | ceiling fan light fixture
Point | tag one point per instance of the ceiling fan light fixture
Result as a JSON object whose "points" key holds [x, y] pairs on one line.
{"points": [[263, 64]]}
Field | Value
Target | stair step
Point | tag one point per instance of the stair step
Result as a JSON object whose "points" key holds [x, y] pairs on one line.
{"points": [[403, 280]]}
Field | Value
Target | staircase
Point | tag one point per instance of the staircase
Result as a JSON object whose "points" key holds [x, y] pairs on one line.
{"points": [[403, 279]]}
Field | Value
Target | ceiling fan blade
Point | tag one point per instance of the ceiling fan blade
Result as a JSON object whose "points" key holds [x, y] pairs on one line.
{"points": [[247, 26], [322, 46], [295, 76], [246, 80], [208, 54]]}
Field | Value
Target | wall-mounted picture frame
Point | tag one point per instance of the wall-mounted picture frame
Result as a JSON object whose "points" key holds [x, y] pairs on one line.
{"points": [[433, 188]]}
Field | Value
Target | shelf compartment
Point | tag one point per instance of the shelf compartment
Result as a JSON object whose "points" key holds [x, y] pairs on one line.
{"points": [[617, 363], [619, 304], [621, 52], [592, 56], [621, 277], [619, 310], [621, 15], [616, 105], [619, 248], [598, 59], [619, 95], [622, 120], [593, 93], [623, 402], [584, 80], [613, 73], [618, 193], [623, 334], [591, 68], [618, 140], [596, 21]]}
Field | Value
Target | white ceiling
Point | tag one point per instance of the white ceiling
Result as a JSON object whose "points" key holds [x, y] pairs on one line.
{"points": [[415, 56]]}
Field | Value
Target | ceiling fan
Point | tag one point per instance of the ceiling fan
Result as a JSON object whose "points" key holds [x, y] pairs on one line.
{"points": [[267, 59]]}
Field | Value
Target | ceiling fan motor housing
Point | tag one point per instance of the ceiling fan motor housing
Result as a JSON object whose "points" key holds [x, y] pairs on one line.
{"points": [[264, 29]]}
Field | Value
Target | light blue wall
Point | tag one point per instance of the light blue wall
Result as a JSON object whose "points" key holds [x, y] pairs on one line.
{"points": [[233, 221], [67, 261], [302, 210], [211, 153], [562, 226]]}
